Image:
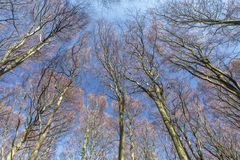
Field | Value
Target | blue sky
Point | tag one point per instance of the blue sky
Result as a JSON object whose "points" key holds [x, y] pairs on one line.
{"points": [[119, 10]]}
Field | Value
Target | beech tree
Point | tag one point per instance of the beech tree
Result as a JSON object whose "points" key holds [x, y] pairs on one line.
{"points": [[134, 123], [210, 56], [203, 136], [133, 109], [30, 28], [108, 52], [97, 138], [146, 73], [41, 118], [94, 135], [162, 84]]}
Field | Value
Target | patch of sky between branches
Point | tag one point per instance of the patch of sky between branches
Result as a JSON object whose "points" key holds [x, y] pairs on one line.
{"points": [[119, 10]]}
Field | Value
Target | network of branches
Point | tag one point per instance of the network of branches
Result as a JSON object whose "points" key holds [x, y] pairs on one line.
{"points": [[163, 84]]}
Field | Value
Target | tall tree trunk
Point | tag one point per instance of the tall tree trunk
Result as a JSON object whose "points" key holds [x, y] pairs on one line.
{"points": [[91, 150], [85, 142], [121, 130], [171, 130], [131, 143]]}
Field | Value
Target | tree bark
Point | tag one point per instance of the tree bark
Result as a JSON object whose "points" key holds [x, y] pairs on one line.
{"points": [[121, 130], [131, 144], [85, 142], [171, 130]]}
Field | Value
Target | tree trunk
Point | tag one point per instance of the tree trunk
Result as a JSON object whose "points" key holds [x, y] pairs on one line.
{"points": [[91, 150], [37, 146], [121, 130], [85, 142], [176, 140], [131, 143], [16, 147]]}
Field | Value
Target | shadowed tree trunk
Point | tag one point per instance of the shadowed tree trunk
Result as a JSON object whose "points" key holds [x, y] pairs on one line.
{"points": [[121, 131]]}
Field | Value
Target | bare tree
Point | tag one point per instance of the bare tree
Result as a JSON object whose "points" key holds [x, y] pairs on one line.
{"points": [[203, 134], [209, 56], [97, 131], [145, 73], [109, 55], [42, 118], [133, 109], [27, 33], [94, 136]]}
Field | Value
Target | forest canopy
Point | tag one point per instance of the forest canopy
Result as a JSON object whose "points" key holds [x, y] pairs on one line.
{"points": [[125, 80]]}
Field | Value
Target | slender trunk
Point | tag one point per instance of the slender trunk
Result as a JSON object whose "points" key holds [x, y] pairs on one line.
{"points": [[131, 144], [46, 151], [91, 150], [37, 146], [4, 142], [146, 156], [171, 130], [85, 142], [121, 130], [16, 147]]}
